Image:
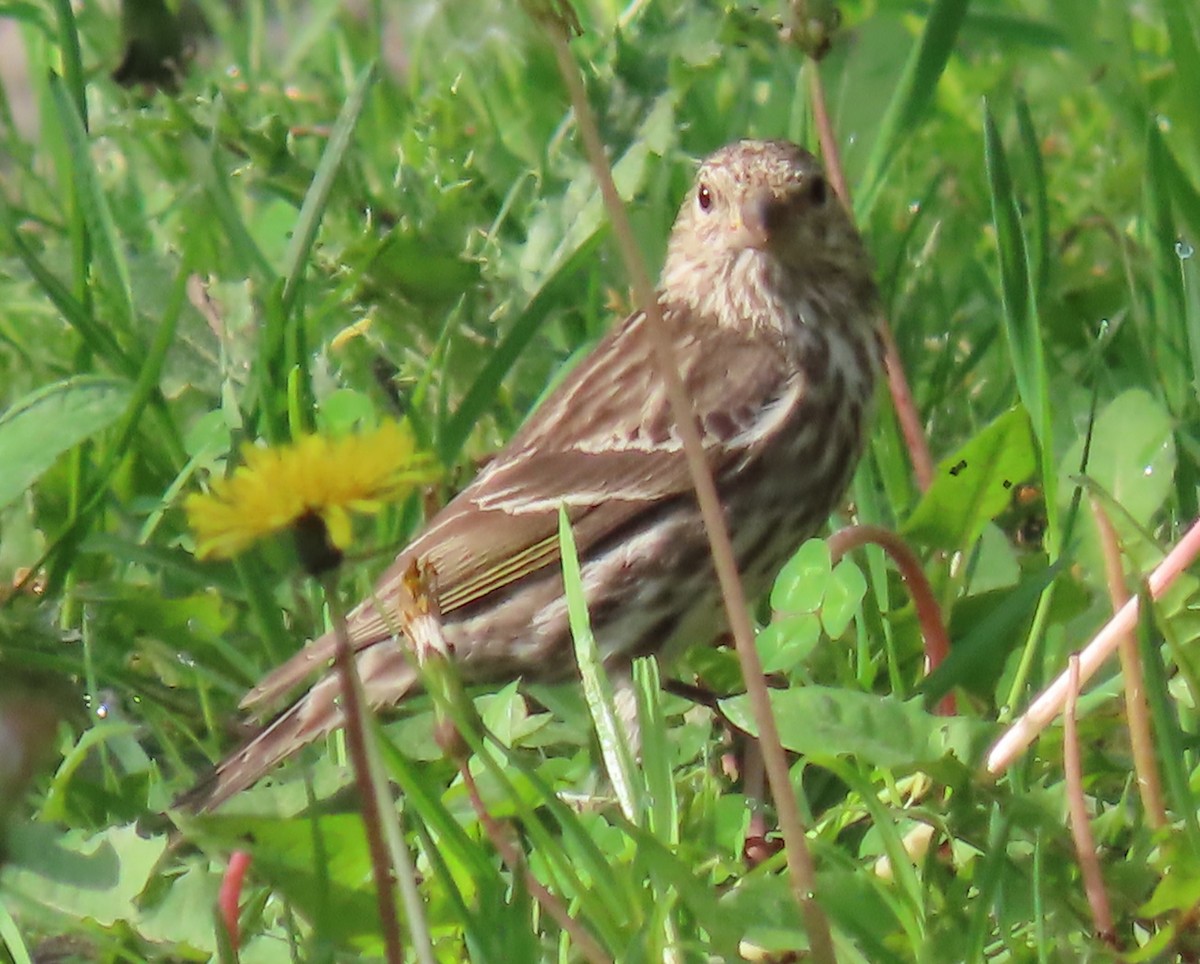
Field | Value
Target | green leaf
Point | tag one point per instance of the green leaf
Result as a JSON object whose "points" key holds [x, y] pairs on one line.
{"points": [[1169, 730], [1016, 282], [317, 197], [787, 642], [663, 805], [1177, 892], [821, 721], [843, 597], [40, 427], [487, 384], [85, 876], [802, 582], [997, 621], [410, 266], [106, 244], [320, 865], [178, 918], [912, 96], [11, 939], [1132, 457], [614, 742], [973, 485]]}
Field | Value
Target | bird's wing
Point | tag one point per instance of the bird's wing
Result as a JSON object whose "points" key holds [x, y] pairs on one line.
{"points": [[605, 445]]}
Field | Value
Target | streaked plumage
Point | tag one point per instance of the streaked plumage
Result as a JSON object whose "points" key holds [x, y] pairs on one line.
{"points": [[768, 297]]}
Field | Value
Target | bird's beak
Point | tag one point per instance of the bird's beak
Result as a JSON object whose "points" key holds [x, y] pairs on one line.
{"points": [[769, 218], [765, 214]]}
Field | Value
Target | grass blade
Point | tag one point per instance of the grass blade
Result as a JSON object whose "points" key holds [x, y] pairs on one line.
{"points": [[913, 94], [486, 386], [106, 246], [315, 201], [614, 743], [1168, 734]]}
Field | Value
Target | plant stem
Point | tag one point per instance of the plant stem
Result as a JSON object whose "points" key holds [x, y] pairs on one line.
{"points": [[799, 860], [356, 741]]}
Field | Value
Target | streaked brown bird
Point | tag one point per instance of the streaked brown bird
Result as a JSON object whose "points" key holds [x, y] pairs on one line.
{"points": [[768, 297]]}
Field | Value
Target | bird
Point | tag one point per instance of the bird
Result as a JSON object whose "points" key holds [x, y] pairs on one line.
{"points": [[768, 298]]}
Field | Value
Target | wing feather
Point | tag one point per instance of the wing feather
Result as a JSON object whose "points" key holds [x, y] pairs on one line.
{"points": [[585, 447]]}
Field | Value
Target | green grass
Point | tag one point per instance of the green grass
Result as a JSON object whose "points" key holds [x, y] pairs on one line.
{"points": [[341, 216]]}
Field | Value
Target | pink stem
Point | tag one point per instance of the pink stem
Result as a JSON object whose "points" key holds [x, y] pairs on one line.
{"points": [[1049, 704], [929, 613], [230, 895]]}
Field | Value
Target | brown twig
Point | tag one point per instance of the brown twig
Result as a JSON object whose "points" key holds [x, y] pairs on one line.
{"points": [[757, 847], [1081, 829], [826, 136], [1137, 712], [799, 860], [929, 613], [1052, 699], [512, 858], [902, 399], [356, 742]]}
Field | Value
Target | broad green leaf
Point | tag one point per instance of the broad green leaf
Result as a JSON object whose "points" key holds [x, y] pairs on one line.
{"points": [[179, 918], [974, 485], [37, 429], [858, 903], [321, 866], [85, 876], [787, 641], [1179, 892], [847, 587], [766, 905], [1132, 457], [208, 437], [821, 721], [801, 583]]}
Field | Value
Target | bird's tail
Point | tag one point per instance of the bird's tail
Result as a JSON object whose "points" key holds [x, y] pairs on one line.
{"points": [[387, 678]]}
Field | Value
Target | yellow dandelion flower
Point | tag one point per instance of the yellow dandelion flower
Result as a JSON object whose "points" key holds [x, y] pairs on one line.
{"points": [[287, 486]]}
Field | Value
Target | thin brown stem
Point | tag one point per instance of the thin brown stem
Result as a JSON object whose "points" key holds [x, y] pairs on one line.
{"points": [[799, 860], [906, 410], [929, 613], [512, 859], [1081, 828], [1049, 704], [1137, 711], [902, 399], [825, 133], [353, 711]]}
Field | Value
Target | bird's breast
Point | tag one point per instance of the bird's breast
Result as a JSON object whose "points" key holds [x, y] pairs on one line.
{"points": [[796, 475]]}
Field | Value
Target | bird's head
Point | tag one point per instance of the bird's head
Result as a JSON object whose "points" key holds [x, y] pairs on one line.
{"points": [[761, 212]]}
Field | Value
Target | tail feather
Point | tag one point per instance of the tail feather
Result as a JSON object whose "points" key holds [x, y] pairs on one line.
{"points": [[366, 633], [288, 675], [387, 677]]}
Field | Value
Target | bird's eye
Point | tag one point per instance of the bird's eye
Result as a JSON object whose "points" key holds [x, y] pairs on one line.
{"points": [[704, 197], [818, 190]]}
